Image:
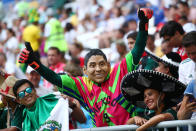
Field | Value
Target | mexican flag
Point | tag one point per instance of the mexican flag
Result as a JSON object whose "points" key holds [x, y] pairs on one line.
{"points": [[49, 113]]}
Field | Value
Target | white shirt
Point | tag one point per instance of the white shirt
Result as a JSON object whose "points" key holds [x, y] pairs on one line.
{"points": [[10, 46], [11, 68], [70, 36], [187, 70], [3, 35]]}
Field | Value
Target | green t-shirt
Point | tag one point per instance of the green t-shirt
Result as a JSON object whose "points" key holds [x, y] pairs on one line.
{"points": [[148, 114], [151, 114], [3, 118], [15, 118]]}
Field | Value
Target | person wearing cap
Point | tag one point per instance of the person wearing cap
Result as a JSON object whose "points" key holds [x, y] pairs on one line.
{"points": [[32, 33], [154, 91], [53, 33], [35, 77], [187, 68], [168, 64], [99, 91], [11, 115]]}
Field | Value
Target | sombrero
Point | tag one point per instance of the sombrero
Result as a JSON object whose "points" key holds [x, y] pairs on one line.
{"points": [[135, 82], [6, 87], [171, 59]]}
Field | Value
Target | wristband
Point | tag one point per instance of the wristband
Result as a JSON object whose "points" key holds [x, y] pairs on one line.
{"points": [[34, 65]]}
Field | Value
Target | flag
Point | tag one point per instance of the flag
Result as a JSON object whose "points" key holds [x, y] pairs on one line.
{"points": [[49, 112]]}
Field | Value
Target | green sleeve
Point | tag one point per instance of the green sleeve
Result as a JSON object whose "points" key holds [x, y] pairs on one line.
{"points": [[3, 118], [65, 84], [150, 64], [139, 46], [49, 75], [172, 112], [18, 118]]}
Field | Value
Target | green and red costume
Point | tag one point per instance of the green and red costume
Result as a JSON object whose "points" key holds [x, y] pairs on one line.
{"points": [[104, 102]]}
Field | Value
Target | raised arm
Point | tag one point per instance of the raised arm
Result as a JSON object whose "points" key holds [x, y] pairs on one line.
{"points": [[144, 15], [27, 56]]}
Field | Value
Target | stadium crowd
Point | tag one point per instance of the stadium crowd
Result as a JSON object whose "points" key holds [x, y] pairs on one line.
{"points": [[112, 62]]}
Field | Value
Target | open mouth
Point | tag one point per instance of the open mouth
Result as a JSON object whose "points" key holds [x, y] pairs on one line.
{"points": [[149, 103]]}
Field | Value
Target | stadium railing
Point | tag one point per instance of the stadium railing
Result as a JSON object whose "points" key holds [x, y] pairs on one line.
{"points": [[162, 125]]}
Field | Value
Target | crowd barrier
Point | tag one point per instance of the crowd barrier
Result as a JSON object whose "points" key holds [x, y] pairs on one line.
{"points": [[162, 125]]}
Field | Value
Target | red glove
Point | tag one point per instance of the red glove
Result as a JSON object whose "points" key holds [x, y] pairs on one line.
{"points": [[144, 14], [27, 56]]}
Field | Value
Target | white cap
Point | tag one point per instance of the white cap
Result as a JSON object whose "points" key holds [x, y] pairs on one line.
{"points": [[29, 70]]}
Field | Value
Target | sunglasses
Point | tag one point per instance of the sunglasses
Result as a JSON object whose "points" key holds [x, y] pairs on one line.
{"points": [[22, 93]]}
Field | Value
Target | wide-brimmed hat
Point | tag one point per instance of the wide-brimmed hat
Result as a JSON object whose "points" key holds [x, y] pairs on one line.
{"points": [[135, 82], [171, 59], [6, 87]]}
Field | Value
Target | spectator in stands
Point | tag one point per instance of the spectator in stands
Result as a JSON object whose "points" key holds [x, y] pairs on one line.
{"points": [[146, 62], [187, 68], [37, 112], [32, 32], [168, 64], [131, 38], [187, 26], [184, 9], [172, 13], [53, 33], [121, 49], [174, 33], [11, 114], [3, 32], [34, 77], [165, 48], [99, 93], [74, 70], [70, 34], [154, 91], [11, 47], [75, 52], [188, 105], [10, 68], [54, 63]]}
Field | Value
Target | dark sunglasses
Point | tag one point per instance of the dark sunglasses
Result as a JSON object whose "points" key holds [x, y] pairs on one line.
{"points": [[22, 93]]}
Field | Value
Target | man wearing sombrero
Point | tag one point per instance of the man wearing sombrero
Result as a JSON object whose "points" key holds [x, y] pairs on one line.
{"points": [[11, 115], [153, 91]]}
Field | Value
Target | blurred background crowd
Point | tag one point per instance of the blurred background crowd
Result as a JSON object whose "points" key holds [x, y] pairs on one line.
{"points": [[61, 32]]}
